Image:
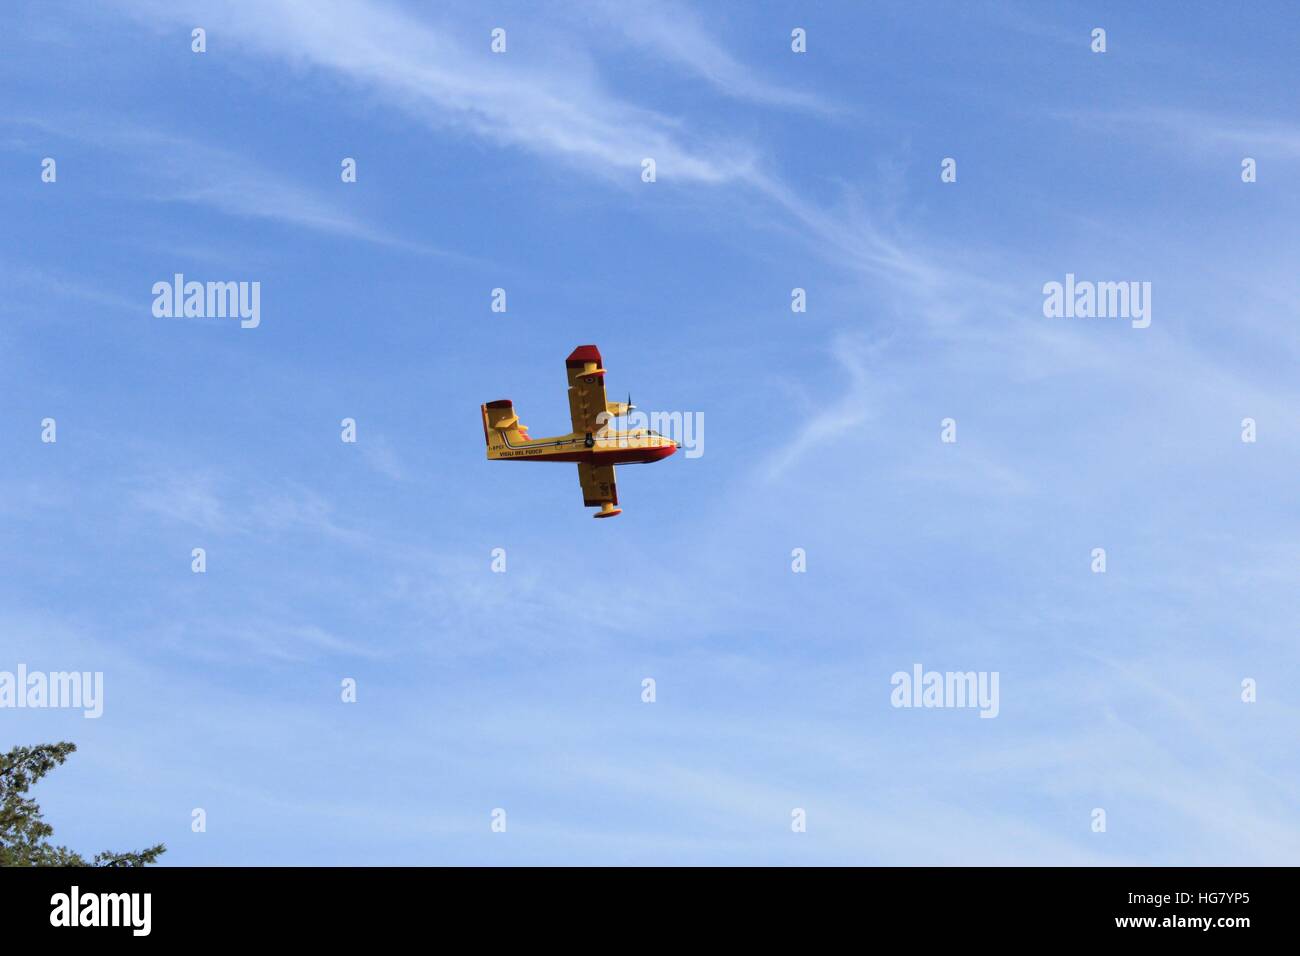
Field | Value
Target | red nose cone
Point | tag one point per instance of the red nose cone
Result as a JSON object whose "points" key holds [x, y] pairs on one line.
{"points": [[665, 451]]}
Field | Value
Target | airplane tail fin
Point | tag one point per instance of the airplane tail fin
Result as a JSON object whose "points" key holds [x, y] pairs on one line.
{"points": [[501, 427]]}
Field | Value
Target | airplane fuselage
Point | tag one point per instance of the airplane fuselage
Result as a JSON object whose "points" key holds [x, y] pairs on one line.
{"points": [[609, 446]]}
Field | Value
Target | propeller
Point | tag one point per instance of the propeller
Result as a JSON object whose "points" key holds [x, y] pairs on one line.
{"points": [[628, 414]]}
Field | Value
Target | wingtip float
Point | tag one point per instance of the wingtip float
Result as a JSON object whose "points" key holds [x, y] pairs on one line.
{"points": [[593, 444]]}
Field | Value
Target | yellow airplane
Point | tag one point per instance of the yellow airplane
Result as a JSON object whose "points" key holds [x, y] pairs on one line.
{"points": [[595, 446]]}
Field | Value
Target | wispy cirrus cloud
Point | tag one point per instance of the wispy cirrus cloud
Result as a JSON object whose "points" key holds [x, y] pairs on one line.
{"points": [[556, 107], [211, 502], [1198, 129], [676, 34], [171, 168]]}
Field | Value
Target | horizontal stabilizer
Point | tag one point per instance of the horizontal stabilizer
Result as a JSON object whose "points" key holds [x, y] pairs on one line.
{"points": [[501, 428]]}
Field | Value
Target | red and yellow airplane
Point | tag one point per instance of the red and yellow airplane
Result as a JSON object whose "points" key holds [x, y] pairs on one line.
{"points": [[595, 446]]}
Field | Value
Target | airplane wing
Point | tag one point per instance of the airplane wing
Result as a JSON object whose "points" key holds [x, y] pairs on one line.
{"points": [[598, 488], [587, 392]]}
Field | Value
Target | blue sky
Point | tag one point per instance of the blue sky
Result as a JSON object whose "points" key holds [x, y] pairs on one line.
{"points": [[775, 170]]}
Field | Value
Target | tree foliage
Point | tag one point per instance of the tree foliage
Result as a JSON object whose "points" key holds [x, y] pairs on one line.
{"points": [[24, 836]]}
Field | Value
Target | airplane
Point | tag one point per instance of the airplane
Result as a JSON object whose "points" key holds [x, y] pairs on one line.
{"points": [[595, 446]]}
